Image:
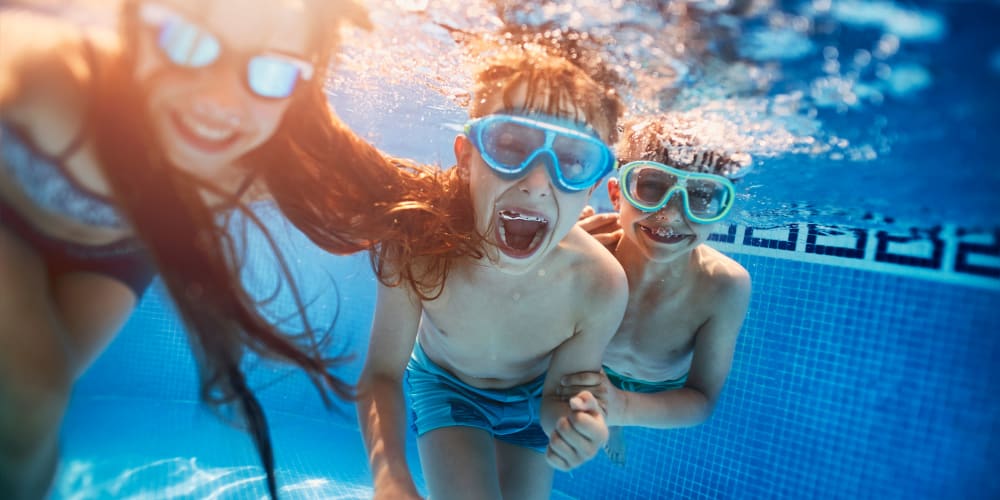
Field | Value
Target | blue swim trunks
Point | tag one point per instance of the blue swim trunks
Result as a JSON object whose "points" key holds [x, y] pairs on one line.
{"points": [[644, 386], [439, 399]]}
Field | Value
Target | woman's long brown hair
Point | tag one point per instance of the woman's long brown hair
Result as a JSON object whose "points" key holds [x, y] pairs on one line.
{"points": [[335, 187]]}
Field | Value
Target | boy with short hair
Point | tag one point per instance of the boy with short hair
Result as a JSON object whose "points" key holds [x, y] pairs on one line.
{"points": [[670, 358], [486, 355]]}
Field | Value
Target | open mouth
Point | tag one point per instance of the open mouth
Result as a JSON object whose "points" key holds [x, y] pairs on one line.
{"points": [[203, 136], [664, 235], [520, 233]]}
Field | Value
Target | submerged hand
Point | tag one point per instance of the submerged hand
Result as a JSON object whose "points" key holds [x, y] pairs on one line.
{"points": [[579, 436], [605, 228], [610, 399]]}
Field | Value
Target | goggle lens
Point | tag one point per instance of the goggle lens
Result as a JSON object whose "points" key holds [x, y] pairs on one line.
{"points": [[649, 186], [510, 144]]}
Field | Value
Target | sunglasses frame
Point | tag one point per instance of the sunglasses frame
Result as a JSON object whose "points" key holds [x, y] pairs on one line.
{"points": [[157, 16], [683, 177], [475, 128]]}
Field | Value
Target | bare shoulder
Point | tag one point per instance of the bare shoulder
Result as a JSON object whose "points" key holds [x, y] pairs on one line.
{"points": [[597, 273], [46, 63], [728, 280]]}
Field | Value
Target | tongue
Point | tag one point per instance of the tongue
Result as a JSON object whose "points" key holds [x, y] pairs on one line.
{"points": [[520, 232]]}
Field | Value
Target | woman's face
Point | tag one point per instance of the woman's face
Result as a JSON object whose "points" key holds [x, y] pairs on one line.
{"points": [[207, 117]]}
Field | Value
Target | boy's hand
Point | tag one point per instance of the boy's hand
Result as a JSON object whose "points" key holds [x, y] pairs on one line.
{"points": [[610, 399], [605, 227], [579, 436]]}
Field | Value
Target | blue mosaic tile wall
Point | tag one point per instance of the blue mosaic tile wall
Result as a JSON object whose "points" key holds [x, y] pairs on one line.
{"points": [[846, 383]]}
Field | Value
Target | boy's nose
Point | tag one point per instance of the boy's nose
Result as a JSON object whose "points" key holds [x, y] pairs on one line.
{"points": [[672, 211], [536, 181]]}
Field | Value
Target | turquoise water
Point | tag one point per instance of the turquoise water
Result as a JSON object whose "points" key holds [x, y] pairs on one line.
{"points": [[869, 226]]}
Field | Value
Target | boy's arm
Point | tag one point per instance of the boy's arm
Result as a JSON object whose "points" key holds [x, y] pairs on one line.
{"points": [[714, 346], [381, 411], [576, 429]]}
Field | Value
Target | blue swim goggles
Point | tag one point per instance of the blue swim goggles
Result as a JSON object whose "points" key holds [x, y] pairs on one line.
{"points": [[186, 44], [510, 144], [649, 186]]}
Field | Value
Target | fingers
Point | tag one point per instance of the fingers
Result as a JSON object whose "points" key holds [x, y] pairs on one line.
{"points": [[587, 212], [592, 382], [585, 402], [582, 378], [576, 438], [567, 447], [609, 240], [599, 223]]}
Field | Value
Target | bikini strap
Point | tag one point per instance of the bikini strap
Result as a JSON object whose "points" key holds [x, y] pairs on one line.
{"points": [[245, 184]]}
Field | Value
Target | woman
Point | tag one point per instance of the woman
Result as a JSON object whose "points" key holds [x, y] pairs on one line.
{"points": [[118, 156]]}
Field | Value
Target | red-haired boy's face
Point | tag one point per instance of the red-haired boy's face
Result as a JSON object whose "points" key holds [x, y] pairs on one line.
{"points": [[526, 218]]}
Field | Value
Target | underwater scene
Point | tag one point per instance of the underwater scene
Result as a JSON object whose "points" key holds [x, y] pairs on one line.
{"points": [[864, 211]]}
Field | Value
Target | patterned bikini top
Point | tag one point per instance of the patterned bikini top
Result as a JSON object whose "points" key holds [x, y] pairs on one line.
{"points": [[44, 179]]}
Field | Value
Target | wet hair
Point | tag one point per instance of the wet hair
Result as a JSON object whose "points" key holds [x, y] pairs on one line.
{"points": [[561, 68], [340, 191], [669, 139]]}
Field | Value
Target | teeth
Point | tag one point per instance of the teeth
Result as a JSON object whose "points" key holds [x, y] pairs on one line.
{"points": [[664, 232], [207, 132], [516, 216]]}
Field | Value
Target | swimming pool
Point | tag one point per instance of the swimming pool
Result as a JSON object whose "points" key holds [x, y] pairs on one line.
{"points": [[865, 366]]}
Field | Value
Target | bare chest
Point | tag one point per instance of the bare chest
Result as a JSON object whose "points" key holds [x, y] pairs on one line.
{"points": [[657, 335], [499, 334]]}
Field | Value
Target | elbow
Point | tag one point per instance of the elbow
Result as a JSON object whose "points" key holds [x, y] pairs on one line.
{"points": [[371, 384], [703, 411]]}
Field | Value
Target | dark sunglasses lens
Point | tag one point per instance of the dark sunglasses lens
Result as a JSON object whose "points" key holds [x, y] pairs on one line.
{"points": [[509, 144], [649, 185]]}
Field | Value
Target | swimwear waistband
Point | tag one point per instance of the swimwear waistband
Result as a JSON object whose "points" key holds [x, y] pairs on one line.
{"points": [[630, 384]]}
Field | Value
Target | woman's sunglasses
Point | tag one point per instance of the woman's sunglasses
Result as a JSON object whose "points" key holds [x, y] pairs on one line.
{"points": [[186, 44]]}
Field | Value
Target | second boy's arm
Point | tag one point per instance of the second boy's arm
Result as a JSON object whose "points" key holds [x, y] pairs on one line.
{"points": [[381, 410], [715, 343]]}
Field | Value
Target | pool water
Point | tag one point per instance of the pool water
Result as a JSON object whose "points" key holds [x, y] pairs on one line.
{"points": [[866, 364]]}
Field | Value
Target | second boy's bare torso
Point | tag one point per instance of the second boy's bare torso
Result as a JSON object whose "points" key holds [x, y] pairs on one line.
{"points": [[656, 340]]}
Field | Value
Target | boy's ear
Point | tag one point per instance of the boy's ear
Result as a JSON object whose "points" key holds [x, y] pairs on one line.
{"points": [[615, 193], [463, 155], [463, 149]]}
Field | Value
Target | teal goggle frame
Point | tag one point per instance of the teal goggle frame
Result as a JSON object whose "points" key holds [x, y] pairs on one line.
{"points": [[649, 186]]}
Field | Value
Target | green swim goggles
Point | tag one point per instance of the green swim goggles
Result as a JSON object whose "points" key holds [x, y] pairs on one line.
{"points": [[649, 186], [510, 145]]}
